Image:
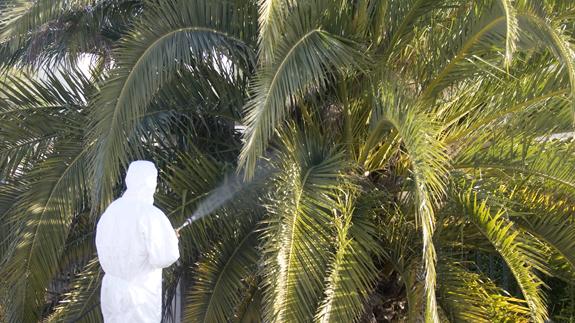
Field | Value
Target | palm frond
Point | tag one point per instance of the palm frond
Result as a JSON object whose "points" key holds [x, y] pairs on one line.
{"points": [[190, 177], [470, 297], [165, 38], [272, 14], [551, 34], [545, 160], [34, 115], [520, 98], [220, 279], [82, 302], [9, 194], [481, 33], [298, 237], [305, 58], [519, 256], [352, 271], [401, 20], [47, 33], [42, 217], [429, 165], [53, 186], [198, 180], [250, 311], [512, 30], [21, 17], [547, 217]]}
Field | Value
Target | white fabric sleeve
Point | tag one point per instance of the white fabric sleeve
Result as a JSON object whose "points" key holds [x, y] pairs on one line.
{"points": [[161, 241]]}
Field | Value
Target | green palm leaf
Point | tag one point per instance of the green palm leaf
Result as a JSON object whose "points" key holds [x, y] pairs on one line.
{"points": [[34, 115], [43, 214], [544, 160], [20, 17], [518, 254], [400, 20], [469, 297], [512, 30], [40, 217], [306, 56], [429, 164], [272, 14], [352, 271], [298, 235], [550, 34], [165, 38], [348, 219], [81, 303], [46, 33], [547, 217], [481, 32], [220, 279]]}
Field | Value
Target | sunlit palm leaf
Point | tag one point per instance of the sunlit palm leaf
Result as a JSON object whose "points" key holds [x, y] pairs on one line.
{"points": [[82, 302], [469, 297], [271, 22], [551, 35], [548, 218], [545, 160], [352, 270], [41, 216], [512, 30], [220, 279], [306, 56], [165, 38], [509, 243], [298, 237], [429, 165]]}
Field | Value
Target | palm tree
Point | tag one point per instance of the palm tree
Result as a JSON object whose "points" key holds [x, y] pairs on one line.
{"points": [[401, 160]]}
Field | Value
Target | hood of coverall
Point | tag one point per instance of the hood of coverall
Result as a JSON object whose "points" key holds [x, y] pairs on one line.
{"points": [[141, 181]]}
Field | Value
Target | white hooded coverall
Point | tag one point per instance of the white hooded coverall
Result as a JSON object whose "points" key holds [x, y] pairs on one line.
{"points": [[135, 240]]}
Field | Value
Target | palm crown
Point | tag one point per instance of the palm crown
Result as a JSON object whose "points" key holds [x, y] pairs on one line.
{"points": [[400, 159]]}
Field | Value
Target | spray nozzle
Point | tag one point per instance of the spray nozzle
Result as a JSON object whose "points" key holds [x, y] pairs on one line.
{"points": [[186, 223]]}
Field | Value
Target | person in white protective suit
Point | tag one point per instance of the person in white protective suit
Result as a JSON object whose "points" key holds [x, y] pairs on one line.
{"points": [[135, 240]]}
